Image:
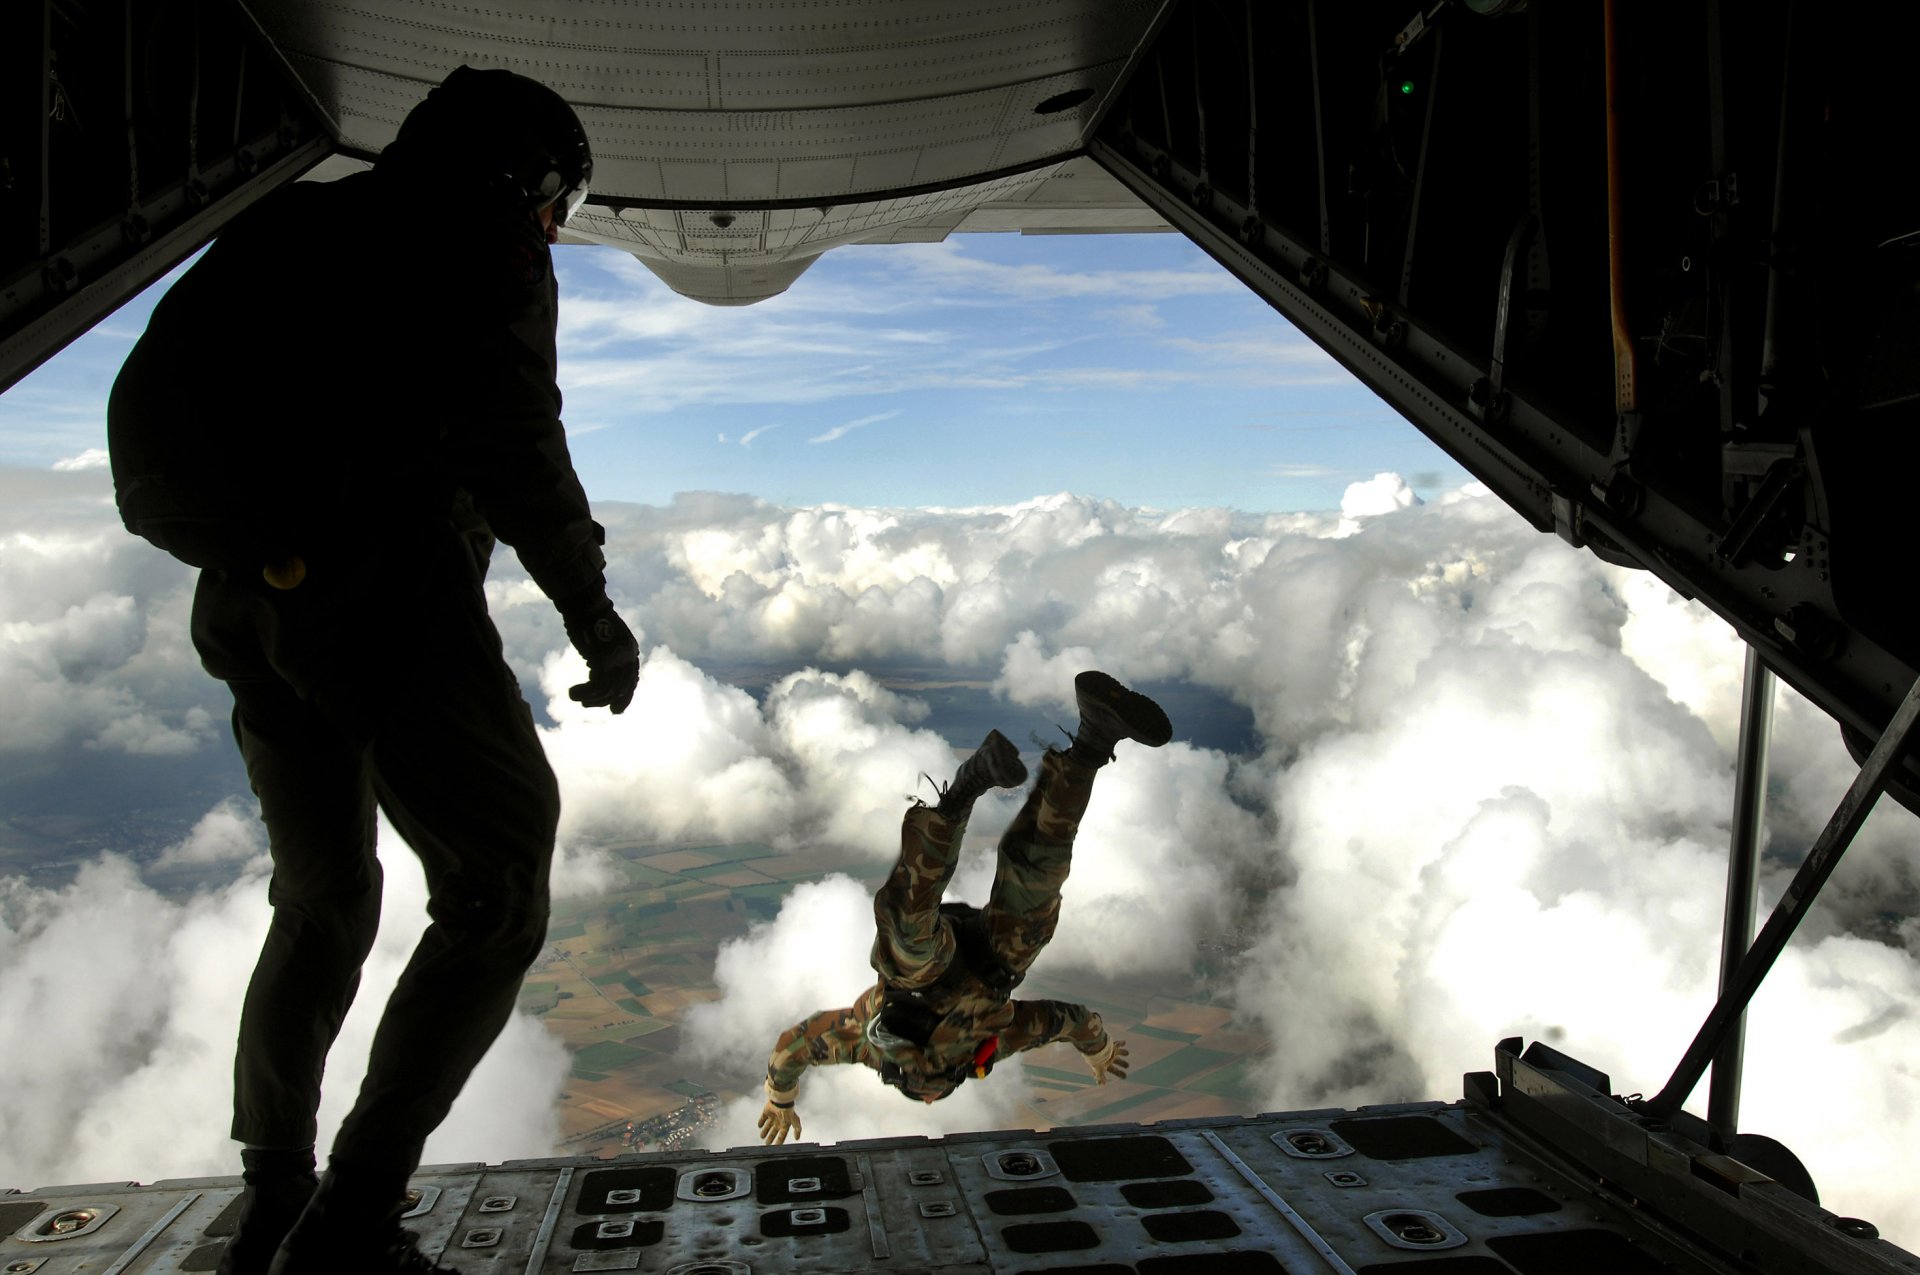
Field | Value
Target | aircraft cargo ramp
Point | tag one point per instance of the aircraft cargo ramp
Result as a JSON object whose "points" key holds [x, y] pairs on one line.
{"points": [[1536, 1171]]}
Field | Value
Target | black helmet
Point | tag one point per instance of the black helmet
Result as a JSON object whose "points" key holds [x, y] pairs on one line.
{"points": [[505, 129]]}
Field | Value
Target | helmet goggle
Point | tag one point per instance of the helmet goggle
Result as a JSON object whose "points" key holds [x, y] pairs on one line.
{"points": [[564, 200]]}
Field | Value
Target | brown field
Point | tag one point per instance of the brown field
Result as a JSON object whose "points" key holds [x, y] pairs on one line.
{"points": [[1189, 1017]]}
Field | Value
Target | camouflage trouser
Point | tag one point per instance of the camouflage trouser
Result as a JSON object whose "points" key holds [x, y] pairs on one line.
{"points": [[913, 943]]}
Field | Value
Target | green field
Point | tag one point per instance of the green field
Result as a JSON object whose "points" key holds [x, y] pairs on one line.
{"points": [[1176, 1067], [608, 1055], [1162, 1033]]}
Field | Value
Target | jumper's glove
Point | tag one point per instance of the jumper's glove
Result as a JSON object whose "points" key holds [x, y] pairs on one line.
{"points": [[613, 657], [1110, 1061], [778, 1118]]}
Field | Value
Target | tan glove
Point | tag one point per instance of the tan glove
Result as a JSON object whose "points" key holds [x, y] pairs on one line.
{"points": [[1110, 1061], [778, 1118]]}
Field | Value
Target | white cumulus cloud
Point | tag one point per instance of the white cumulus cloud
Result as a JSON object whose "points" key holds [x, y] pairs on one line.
{"points": [[132, 998], [91, 458], [1488, 794]]}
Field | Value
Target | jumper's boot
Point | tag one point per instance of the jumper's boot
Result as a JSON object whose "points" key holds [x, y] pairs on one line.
{"points": [[1109, 713], [279, 1184], [995, 764], [353, 1224]]}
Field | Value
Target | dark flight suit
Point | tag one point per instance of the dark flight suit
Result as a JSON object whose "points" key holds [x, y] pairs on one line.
{"points": [[359, 381]]}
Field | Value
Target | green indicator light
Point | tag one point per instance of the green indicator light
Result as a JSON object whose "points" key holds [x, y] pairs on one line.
{"points": [[1406, 88]]}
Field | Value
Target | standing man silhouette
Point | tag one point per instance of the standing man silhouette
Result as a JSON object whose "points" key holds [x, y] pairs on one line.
{"points": [[335, 421]]}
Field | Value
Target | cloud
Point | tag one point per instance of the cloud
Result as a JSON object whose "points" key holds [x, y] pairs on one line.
{"points": [[947, 269], [226, 834], [1284, 356], [828, 758], [1488, 796], [1478, 744], [1382, 494], [133, 1000], [813, 955], [1144, 316], [841, 431], [933, 317], [93, 634], [746, 439], [91, 458], [690, 759]]}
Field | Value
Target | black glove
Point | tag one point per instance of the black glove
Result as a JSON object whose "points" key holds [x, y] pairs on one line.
{"points": [[613, 657]]}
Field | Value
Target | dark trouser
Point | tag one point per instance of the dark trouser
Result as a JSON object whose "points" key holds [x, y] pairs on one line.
{"points": [[913, 943], [348, 695]]}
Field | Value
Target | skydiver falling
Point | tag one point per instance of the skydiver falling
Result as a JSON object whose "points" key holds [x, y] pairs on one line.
{"points": [[941, 1012]]}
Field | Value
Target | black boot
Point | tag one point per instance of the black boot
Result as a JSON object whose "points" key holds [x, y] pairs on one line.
{"points": [[1109, 713], [995, 764], [279, 1184], [353, 1224]]}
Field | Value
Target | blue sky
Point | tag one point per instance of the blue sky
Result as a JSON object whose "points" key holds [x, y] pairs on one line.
{"points": [[985, 370]]}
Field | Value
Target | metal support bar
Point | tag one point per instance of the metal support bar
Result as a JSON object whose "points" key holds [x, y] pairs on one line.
{"points": [[1319, 124], [1538, 275], [112, 275], [1625, 394], [1728, 375], [45, 121], [1420, 166], [193, 104], [276, 60], [1743, 862], [1327, 1253], [876, 1224], [1536, 279], [549, 1222], [133, 132], [239, 97], [140, 1246], [1253, 118], [1160, 82], [1199, 102], [1518, 242], [1781, 475], [1770, 336], [1792, 908]]}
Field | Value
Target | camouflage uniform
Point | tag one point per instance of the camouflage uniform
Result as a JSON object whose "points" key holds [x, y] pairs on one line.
{"points": [[915, 946]]}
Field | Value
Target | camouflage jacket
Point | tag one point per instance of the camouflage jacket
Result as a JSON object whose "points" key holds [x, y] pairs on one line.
{"points": [[839, 1035]]}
